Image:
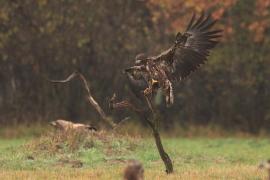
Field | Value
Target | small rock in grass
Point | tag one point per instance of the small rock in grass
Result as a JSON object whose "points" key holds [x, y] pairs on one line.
{"points": [[30, 157]]}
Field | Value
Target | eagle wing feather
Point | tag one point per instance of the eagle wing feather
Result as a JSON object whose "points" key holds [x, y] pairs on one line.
{"points": [[191, 48]]}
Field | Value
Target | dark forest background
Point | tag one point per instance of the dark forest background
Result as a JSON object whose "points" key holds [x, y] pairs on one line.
{"points": [[42, 39]]}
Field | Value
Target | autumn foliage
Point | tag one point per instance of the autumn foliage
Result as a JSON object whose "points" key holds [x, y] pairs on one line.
{"points": [[42, 39], [171, 10]]}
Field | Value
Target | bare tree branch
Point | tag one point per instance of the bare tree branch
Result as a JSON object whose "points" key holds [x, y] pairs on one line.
{"points": [[69, 78], [121, 122], [153, 125], [123, 105], [90, 98]]}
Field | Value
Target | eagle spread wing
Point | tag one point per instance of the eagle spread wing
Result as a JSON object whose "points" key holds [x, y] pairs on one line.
{"points": [[191, 48], [189, 51]]}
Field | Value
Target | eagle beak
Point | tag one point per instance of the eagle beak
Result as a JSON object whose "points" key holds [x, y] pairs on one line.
{"points": [[138, 62]]}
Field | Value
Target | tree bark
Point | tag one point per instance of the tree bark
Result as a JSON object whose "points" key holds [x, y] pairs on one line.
{"points": [[153, 125], [164, 156]]}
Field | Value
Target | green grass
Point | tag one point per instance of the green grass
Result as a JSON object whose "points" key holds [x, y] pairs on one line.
{"points": [[221, 158]]}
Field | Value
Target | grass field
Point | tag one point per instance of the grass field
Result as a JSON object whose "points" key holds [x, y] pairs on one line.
{"points": [[104, 157]]}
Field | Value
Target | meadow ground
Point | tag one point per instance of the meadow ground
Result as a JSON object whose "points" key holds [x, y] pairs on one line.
{"points": [[103, 156]]}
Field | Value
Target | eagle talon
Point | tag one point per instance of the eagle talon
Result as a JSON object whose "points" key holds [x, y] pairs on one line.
{"points": [[154, 83], [147, 91]]}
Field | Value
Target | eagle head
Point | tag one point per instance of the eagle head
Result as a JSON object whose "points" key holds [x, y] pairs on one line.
{"points": [[140, 59]]}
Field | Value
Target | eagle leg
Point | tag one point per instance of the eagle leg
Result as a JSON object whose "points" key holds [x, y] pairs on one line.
{"points": [[169, 93], [153, 85]]}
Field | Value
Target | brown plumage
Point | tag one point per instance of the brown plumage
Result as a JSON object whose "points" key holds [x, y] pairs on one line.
{"points": [[265, 165], [134, 171], [189, 51]]}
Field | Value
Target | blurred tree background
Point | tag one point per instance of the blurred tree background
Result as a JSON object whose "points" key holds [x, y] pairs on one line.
{"points": [[42, 39]]}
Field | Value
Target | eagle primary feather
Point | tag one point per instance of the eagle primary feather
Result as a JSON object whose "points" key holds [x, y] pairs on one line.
{"points": [[189, 51]]}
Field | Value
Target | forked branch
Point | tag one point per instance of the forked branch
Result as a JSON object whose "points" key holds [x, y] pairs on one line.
{"points": [[90, 98]]}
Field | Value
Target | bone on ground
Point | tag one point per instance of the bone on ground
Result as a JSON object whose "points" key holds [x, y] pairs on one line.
{"points": [[67, 125]]}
